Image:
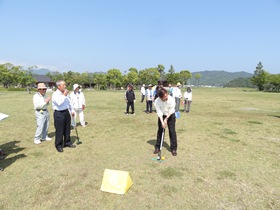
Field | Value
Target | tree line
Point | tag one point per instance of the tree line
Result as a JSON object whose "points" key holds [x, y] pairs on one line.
{"points": [[11, 75]]}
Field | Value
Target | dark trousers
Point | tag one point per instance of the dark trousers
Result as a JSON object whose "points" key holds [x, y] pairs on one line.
{"points": [[62, 124], [128, 104], [149, 106], [172, 132], [142, 99]]}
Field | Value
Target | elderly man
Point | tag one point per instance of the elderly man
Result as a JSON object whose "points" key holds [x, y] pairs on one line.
{"points": [[143, 93], [41, 102], [165, 107], [177, 94], [62, 120], [130, 99], [79, 103]]}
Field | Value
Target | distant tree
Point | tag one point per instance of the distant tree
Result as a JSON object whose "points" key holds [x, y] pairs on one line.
{"points": [[6, 75], [170, 76], [273, 83], [114, 78], [197, 78], [133, 70], [100, 81], [240, 82], [149, 76], [260, 76], [55, 76], [131, 78], [185, 76], [160, 69]]}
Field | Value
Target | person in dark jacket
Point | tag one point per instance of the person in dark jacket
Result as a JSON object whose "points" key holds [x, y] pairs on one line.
{"points": [[130, 99]]}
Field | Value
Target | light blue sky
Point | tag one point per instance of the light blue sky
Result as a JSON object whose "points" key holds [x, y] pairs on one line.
{"points": [[98, 35]]}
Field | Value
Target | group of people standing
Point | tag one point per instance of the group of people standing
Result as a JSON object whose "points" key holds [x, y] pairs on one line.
{"points": [[166, 103], [65, 107]]}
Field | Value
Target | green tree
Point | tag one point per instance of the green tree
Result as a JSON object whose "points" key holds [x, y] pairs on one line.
{"points": [[114, 78], [100, 81], [149, 76], [260, 76], [273, 83], [185, 76], [6, 75], [170, 76], [160, 69], [133, 70], [55, 76], [131, 78], [197, 78]]}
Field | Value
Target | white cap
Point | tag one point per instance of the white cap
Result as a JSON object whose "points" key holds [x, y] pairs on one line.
{"points": [[75, 86]]}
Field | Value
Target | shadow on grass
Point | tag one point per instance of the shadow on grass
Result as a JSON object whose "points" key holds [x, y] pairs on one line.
{"points": [[165, 145], [277, 116], [9, 149]]}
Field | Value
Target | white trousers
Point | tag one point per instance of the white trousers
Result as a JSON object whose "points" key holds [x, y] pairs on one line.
{"points": [[81, 116], [43, 121]]}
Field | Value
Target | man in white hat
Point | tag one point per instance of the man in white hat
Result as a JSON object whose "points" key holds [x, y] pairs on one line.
{"points": [[78, 100], [41, 102]]}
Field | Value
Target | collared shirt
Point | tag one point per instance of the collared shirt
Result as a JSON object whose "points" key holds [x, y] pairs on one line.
{"points": [[188, 95], [61, 102], [165, 107], [39, 101]]}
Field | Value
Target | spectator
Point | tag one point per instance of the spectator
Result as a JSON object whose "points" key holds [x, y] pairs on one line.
{"points": [[78, 100], [41, 102]]}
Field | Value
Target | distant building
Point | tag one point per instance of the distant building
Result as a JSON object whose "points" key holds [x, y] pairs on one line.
{"points": [[43, 79]]}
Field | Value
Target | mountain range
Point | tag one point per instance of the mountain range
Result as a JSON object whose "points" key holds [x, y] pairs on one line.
{"points": [[217, 78], [208, 77]]}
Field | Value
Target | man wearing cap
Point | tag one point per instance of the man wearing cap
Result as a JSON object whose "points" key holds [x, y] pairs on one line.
{"points": [[79, 103], [177, 94], [143, 93], [41, 102], [129, 98], [149, 99], [62, 120]]}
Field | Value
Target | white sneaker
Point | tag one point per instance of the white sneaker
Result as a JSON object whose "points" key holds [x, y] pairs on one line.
{"points": [[47, 139], [84, 126], [37, 142]]}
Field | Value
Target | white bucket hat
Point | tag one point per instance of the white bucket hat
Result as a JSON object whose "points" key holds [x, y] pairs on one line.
{"points": [[75, 86]]}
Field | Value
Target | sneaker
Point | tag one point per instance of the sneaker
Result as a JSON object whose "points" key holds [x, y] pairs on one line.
{"points": [[84, 126], [47, 139], [133, 114], [127, 114], [37, 142]]}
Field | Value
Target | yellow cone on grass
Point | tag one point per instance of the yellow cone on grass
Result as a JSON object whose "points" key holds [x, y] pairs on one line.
{"points": [[115, 181]]}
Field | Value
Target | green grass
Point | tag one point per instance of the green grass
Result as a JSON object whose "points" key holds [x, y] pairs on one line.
{"points": [[228, 155]]}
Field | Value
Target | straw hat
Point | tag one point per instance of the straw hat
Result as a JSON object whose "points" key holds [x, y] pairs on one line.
{"points": [[150, 85], [178, 84], [41, 86]]}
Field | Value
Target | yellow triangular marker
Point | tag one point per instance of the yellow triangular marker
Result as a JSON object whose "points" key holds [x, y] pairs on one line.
{"points": [[116, 181]]}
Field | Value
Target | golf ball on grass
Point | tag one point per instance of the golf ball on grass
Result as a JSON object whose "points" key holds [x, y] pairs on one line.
{"points": [[162, 157]]}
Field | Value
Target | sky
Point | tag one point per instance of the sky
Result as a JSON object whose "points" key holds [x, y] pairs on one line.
{"points": [[99, 35]]}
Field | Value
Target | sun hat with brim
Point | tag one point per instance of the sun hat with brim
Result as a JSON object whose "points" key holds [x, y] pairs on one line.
{"points": [[150, 85], [75, 86], [41, 86], [178, 84]]}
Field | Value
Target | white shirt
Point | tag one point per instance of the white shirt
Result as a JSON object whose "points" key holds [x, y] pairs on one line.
{"points": [[77, 99], [149, 94], [39, 101], [165, 107], [188, 95], [61, 102], [177, 92], [143, 91]]}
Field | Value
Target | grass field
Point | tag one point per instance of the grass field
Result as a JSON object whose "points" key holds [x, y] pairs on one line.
{"points": [[228, 155]]}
